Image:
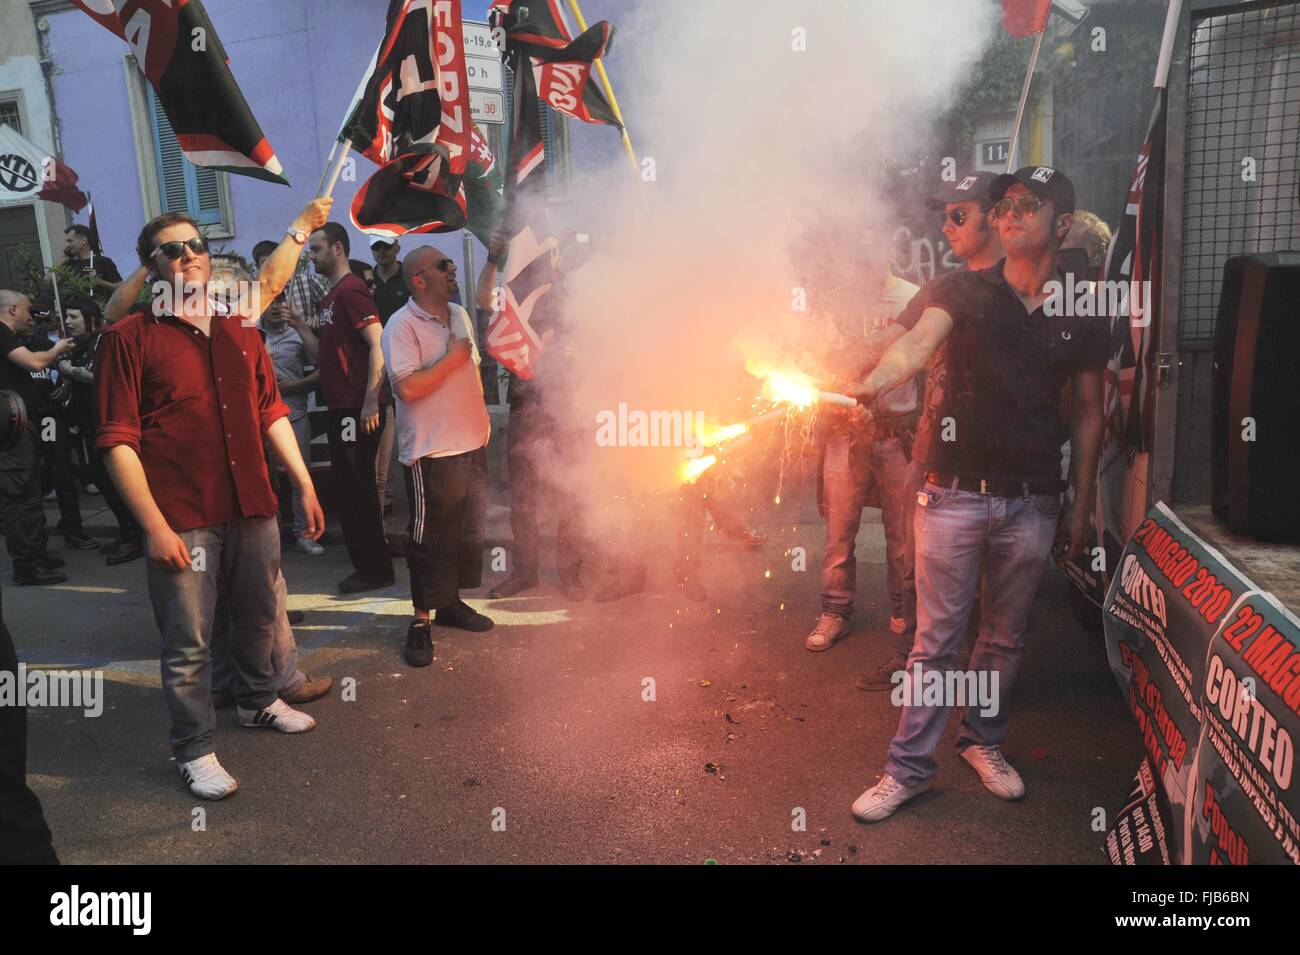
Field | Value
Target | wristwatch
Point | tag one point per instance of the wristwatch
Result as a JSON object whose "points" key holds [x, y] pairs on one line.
{"points": [[297, 235]]}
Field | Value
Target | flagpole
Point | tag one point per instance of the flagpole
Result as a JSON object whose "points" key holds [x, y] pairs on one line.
{"points": [[1172, 16], [609, 91], [333, 172], [1024, 97], [58, 304], [326, 171]]}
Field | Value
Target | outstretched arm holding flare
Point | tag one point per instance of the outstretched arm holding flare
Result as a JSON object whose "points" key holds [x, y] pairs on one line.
{"points": [[905, 357]]}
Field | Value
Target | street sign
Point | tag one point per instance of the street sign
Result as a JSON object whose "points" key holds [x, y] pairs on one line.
{"points": [[478, 40], [991, 154], [487, 107], [484, 74]]}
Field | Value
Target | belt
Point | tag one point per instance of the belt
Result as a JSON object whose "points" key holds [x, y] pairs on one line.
{"points": [[996, 488]]}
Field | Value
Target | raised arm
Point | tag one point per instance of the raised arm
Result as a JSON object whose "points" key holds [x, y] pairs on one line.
{"points": [[283, 262], [907, 356]]}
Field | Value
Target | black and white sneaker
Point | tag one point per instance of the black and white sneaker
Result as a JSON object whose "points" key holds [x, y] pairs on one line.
{"points": [[207, 779], [278, 716]]}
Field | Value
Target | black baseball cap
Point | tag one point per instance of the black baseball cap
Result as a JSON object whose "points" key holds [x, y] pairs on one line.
{"points": [[1050, 185], [971, 187]]}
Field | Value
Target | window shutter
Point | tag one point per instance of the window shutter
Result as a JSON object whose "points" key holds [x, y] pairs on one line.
{"points": [[170, 160], [208, 211]]}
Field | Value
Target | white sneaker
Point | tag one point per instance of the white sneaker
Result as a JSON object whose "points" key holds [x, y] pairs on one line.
{"points": [[883, 799], [309, 547], [829, 628], [997, 775], [897, 624], [91, 489], [207, 779], [279, 715]]}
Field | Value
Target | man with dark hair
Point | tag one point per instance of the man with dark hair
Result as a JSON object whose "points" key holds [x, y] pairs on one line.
{"points": [[188, 401], [993, 492], [352, 378], [78, 254], [972, 235], [20, 482]]}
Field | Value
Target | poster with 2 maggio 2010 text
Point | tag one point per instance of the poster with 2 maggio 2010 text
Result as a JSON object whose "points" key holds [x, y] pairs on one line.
{"points": [[1210, 666]]}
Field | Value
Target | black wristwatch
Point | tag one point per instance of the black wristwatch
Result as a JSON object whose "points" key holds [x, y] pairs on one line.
{"points": [[491, 259]]}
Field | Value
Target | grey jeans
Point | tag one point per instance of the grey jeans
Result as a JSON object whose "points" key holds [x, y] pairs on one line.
{"points": [[240, 559], [284, 652]]}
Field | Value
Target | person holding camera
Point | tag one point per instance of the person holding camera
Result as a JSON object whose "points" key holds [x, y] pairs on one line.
{"points": [[21, 506], [84, 323]]}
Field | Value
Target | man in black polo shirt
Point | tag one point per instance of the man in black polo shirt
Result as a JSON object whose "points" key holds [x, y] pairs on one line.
{"points": [[993, 483]]}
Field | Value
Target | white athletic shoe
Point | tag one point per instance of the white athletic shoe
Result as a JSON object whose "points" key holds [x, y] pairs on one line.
{"points": [[279, 716], [309, 547], [883, 799], [207, 779], [828, 629], [995, 772]]}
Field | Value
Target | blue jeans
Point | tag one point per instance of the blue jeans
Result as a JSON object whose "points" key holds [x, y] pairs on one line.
{"points": [[846, 476], [954, 529], [241, 559]]}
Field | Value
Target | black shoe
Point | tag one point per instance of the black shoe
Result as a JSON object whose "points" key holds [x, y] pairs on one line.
{"points": [[296, 617], [131, 550], [514, 584], [50, 561], [352, 584], [79, 541], [39, 575], [419, 644], [619, 588], [463, 617], [882, 677], [113, 546], [572, 589]]}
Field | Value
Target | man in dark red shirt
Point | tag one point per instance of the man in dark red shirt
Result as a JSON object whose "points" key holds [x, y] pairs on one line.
{"points": [[352, 378], [186, 395]]}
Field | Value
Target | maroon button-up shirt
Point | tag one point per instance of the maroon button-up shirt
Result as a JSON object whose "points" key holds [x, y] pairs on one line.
{"points": [[195, 408]]}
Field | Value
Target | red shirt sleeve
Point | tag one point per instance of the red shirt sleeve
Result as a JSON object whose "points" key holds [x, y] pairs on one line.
{"points": [[117, 391], [360, 307]]}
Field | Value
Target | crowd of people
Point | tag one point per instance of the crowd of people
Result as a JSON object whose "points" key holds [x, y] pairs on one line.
{"points": [[179, 407]]}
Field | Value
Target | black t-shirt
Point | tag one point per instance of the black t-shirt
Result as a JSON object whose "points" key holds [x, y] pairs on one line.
{"points": [[390, 295], [102, 266], [14, 377], [42, 381], [1001, 404]]}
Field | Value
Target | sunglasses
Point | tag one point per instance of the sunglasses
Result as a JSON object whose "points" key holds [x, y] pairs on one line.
{"points": [[174, 250], [1026, 205], [442, 266], [957, 217]]}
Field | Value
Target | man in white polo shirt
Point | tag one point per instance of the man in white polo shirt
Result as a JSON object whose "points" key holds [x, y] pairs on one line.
{"points": [[442, 431]]}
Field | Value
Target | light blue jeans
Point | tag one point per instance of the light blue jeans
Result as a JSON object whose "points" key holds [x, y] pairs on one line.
{"points": [[953, 529]]}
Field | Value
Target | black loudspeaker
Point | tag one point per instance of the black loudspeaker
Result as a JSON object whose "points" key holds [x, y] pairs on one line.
{"points": [[1253, 482]]}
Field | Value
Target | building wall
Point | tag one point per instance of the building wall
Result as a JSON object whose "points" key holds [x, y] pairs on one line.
{"points": [[21, 74]]}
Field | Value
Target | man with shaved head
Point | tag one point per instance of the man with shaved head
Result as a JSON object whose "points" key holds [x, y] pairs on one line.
{"points": [[442, 431], [20, 483]]}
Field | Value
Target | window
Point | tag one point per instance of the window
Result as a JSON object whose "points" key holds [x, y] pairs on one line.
{"points": [[183, 187], [10, 116], [168, 181]]}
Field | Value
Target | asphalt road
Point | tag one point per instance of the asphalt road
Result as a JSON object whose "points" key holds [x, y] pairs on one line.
{"points": [[532, 743]]}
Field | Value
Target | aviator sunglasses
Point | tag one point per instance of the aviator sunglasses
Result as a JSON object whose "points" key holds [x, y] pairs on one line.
{"points": [[1026, 205]]}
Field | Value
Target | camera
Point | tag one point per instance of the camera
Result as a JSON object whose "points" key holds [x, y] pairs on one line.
{"points": [[13, 419]]}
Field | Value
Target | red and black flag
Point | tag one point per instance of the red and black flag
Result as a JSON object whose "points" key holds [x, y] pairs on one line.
{"points": [[180, 53], [549, 67], [411, 117], [1021, 18], [1134, 259], [561, 65]]}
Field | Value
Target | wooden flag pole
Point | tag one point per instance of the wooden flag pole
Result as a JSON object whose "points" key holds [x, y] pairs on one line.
{"points": [[1172, 16], [609, 91], [1024, 97]]}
